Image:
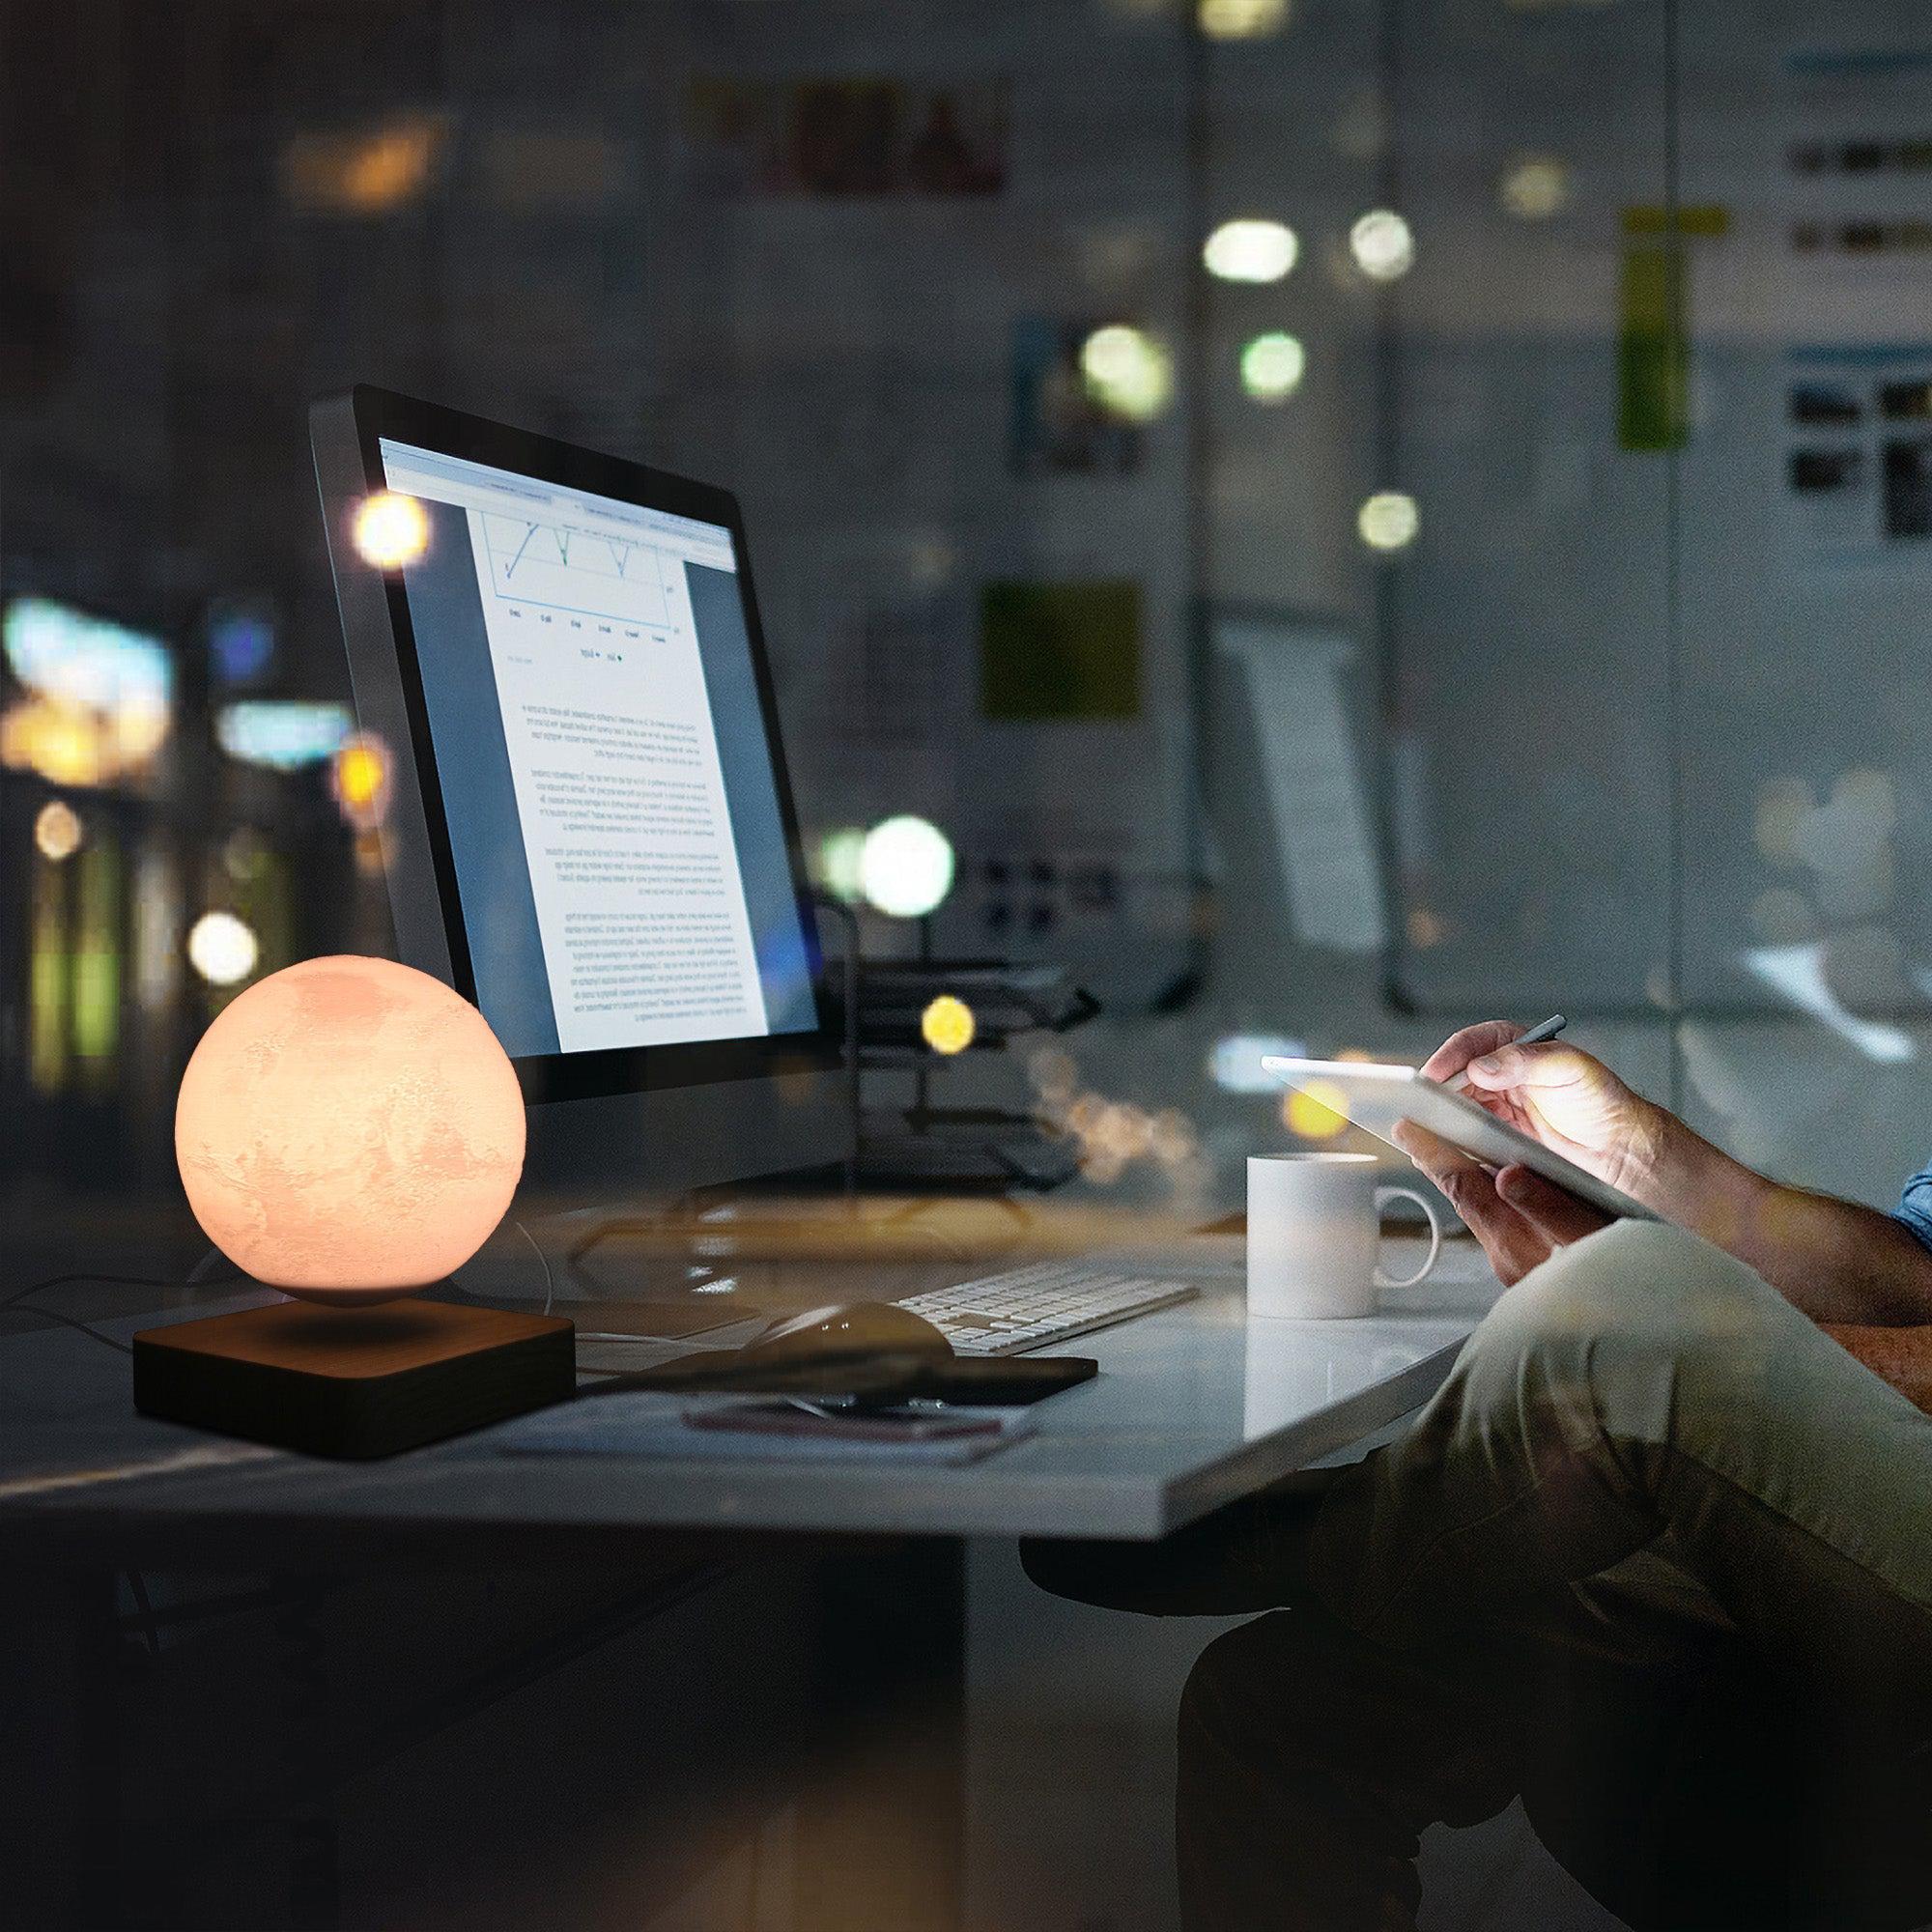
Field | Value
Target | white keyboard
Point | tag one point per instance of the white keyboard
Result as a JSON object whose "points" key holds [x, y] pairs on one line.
{"points": [[1005, 1313]]}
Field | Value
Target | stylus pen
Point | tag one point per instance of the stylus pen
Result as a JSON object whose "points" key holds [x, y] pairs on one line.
{"points": [[1549, 1030]]}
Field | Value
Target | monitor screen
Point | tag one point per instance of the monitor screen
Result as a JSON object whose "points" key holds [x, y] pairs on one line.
{"points": [[608, 788]]}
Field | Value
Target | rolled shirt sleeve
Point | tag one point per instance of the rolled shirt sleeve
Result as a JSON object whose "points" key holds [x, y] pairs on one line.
{"points": [[1914, 1212]]}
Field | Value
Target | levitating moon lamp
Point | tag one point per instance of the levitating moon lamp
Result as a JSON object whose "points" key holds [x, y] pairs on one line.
{"points": [[350, 1131]]}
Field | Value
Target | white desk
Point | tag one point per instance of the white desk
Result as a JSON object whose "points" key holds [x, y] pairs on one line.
{"points": [[868, 1566], [1193, 1407]]}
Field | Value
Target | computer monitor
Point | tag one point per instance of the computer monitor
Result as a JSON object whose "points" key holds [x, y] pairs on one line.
{"points": [[589, 833]]}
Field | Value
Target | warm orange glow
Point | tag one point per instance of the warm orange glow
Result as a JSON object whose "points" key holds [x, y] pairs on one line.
{"points": [[361, 172], [349, 1129], [72, 744]]}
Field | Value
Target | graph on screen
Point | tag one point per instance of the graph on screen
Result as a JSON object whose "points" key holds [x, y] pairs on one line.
{"points": [[564, 567]]}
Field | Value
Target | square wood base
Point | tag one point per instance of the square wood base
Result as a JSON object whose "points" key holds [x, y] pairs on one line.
{"points": [[354, 1383]]}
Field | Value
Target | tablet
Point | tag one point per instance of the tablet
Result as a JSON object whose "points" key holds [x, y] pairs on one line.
{"points": [[1375, 1097]]}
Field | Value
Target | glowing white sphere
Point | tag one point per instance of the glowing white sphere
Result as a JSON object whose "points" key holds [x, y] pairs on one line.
{"points": [[906, 867], [1128, 371], [1384, 245], [1272, 366], [1389, 520], [349, 1131], [222, 948], [1535, 187]]}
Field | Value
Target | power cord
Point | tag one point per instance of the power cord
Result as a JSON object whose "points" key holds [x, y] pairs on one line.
{"points": [[550, 1286], [18, 1300]]}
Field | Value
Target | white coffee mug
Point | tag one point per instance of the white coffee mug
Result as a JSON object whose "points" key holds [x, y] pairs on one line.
{"points": [[1314, 1229]]}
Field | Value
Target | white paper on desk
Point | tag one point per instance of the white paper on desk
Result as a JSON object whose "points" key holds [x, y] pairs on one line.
{"points": [[651, 1424]]}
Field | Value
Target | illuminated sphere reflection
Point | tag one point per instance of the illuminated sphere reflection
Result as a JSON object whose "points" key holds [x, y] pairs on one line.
{"points": [[349, 1131]]}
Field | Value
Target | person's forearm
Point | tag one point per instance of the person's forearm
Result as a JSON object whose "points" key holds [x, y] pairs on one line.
{"points": [[1835, 1260]]}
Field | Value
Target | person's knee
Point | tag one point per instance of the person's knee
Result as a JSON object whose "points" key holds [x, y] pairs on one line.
{"points": [[1237, 1677], [1637, 1282]]}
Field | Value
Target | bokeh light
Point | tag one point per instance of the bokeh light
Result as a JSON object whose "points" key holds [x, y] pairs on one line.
{"points": [[1234, 1064], [840, 859], [1390, 519], [1250, 250], [58, 742], [1241, 20], [1127, 371], [1383, 244], [57, 829], [360, 779], [1316, 1114], [1534, 188], [1426, 927], [240, 642], [947, 1025], [1781, 810], [1272, 366], [905, 869], [364, 172], [1172, 1139], [284, 734], [390, 529], [1054, 1074], [98, 698], [222, 948]]}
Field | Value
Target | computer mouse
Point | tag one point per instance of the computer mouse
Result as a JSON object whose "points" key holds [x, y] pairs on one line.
{"points": [[848, 1329]]}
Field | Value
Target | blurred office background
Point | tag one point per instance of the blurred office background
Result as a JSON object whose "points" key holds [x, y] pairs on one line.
{"points": [[1353, 515]]}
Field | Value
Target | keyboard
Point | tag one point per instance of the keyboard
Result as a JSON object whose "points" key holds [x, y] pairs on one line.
{"points": [[1028, 1307]]}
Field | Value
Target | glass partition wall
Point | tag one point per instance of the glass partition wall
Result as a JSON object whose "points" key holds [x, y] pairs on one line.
{"points": [[1352, 515]]}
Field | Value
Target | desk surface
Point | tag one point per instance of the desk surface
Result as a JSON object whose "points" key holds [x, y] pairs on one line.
{"points": [[1194, 1406]]}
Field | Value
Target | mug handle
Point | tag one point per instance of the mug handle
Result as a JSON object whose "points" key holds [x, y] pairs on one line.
{"points": [[1434, 1235]]}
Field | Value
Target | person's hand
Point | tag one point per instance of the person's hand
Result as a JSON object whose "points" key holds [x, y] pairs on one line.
{"points": [[1520, 1218], [1558, 1095]]}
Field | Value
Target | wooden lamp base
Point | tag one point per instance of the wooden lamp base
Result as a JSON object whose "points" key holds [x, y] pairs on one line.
{"points": [[354, 1383]]}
